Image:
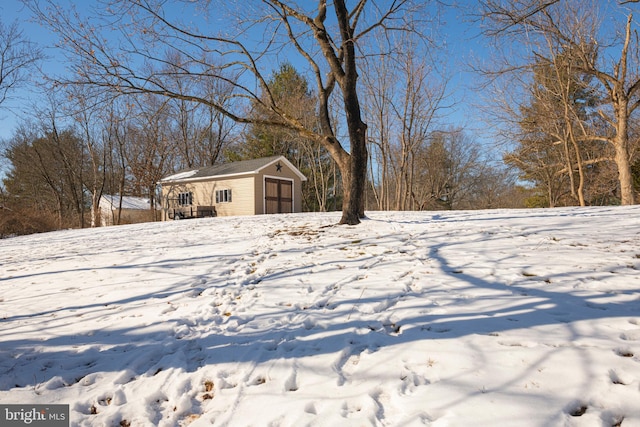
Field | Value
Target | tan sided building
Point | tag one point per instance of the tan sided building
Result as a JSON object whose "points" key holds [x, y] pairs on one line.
{"points": [[250, 187]]}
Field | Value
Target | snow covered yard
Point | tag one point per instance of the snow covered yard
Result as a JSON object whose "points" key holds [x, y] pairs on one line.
{"points": [[527, 318]]}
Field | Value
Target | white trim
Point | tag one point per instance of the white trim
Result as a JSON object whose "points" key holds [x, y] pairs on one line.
{"points": [[279, 178], [289, 165]]}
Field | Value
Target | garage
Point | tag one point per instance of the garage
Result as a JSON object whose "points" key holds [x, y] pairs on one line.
{"points": [[248, 187]]}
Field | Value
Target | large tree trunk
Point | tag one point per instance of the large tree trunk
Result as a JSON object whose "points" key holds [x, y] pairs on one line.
{"points": [[621, 145], [353, 205], [355, 179], [625, 177], [353, 170]]}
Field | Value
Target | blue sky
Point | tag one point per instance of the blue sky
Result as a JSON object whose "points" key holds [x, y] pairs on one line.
{"points": [[460, 36], [21, 100]]}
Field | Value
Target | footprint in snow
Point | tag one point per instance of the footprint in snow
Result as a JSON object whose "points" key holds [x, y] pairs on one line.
{"points": [[291, 384], [224, 383], [310, 408], [630, 336], [258, 380], [350, 408], [617, 378], [196, 292], [309, 323], [624, 352], [170, 307], [411, 381], [577, 408], [117, 399]]}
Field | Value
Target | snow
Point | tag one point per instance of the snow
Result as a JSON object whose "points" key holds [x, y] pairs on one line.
{"points": [[128, 202], [504, 317], [180, 175]]}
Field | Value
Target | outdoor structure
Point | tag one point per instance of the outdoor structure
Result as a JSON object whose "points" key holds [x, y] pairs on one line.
{"points": [[251, 187], [133, 210]]}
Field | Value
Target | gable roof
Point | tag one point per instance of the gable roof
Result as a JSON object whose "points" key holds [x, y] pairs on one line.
{"points": [[244, 167]]}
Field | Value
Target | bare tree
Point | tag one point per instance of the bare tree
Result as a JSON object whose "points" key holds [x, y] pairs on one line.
{"points": [[46, 170], [89, 118], [555, 130], [326, 36], [574, 27], [420, 101], [17, 57], [448, 170], [149, 146], [379, 88], [114, 132], [404, 96], [199, 131]]}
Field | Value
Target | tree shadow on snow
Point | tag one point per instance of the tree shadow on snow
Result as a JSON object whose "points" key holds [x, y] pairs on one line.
{"points": [[329, 325]]}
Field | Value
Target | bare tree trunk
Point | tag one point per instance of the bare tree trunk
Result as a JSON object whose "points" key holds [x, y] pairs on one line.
{"points": [[353, 208], [621, 144], [581, 177], [569, 165], [375, 190]]}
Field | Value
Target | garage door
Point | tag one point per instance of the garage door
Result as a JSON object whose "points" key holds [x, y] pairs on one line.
{"points": [[278, 196]]}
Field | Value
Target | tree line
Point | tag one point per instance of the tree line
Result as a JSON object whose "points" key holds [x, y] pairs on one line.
{"points": [[572, 111], [354, 95]]}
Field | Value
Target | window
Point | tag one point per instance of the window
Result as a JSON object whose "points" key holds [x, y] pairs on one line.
{"points": [[185, 199], [223, 196]]}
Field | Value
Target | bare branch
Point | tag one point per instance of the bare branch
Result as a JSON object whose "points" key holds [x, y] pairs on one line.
{"points": [[17, 56]]}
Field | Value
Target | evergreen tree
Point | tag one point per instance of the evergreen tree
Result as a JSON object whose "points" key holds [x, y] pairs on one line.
{"points": [[558, 149]]}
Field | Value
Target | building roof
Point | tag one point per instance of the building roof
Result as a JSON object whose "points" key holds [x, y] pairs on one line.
{"points": [[128, 202], [244, 167]]}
